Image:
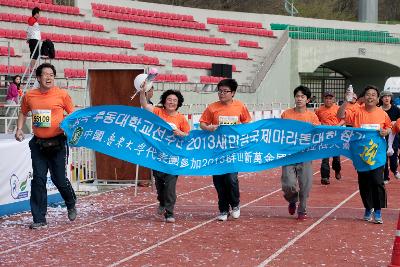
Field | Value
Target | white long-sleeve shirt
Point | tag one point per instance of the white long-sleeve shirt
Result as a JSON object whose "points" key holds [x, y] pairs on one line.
{"points": [[33, 30]]}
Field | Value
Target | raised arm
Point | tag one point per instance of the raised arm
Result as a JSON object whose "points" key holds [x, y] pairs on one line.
{"points": [[143, 101]]}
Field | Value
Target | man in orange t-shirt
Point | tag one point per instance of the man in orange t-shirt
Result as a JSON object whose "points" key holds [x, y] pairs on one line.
{"points": [[48, 145], [299, 173], [226, 111], [327, 115], [371, 183]]}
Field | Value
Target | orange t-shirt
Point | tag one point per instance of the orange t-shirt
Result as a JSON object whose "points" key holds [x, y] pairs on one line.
{"points": [[178, 119], [307, 116], [230, 114], [47, 110], [328, 116], [376, 119]]}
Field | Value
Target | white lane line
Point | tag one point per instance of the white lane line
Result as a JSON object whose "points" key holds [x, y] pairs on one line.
{"points": [[93, 223], [190, 230], [294, 240], [184, 232]]}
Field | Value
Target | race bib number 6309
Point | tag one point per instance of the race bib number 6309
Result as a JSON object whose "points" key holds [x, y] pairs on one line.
{"points": [[41, 118]]}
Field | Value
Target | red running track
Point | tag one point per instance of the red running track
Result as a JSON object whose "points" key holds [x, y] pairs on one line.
{"points": [[118, 229]]}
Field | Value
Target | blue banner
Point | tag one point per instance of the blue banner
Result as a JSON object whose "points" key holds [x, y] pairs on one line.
{"points": [[141, 137]]}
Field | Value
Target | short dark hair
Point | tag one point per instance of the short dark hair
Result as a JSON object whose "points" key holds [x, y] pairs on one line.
{"points": [[35, 11], [368, 87], [45, 65], [178, 94], [304, 89], [231, 83]]}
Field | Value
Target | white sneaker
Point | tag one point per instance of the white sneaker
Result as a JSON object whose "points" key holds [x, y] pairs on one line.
{"points": [[235, 212], [223, 216], [397, 175]]}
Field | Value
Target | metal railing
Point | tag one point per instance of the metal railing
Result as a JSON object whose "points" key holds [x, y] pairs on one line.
{"points": [[195, 87]]}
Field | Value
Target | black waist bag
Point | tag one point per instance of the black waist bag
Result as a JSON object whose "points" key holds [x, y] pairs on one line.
{"points": [[51, 145]]}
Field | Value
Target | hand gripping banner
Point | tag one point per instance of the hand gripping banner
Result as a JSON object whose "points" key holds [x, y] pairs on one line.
{"points": [[140, 137]]}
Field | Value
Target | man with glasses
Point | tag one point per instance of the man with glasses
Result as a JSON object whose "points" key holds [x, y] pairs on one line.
{"points": [[48, 145], [226, 111]]}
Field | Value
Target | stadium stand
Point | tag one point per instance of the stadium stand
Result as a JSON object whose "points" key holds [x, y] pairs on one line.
{"points": [[210, 79], [48, 7], [63, 23], [195, 51], [236, 23], [144, 17], [171, 78], [74, 73], [141, 12], [195, 64], [248, 31], [172, 36], [252, 44], [335, 34]]}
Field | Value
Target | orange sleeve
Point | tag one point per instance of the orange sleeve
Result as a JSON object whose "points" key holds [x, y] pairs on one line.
{"points": [[157, 111], [283, 115], [184, 125], [349, 117], [315, 120], [396, 127], [24, 105], [245, 115], [68, 105], [206, 117]]}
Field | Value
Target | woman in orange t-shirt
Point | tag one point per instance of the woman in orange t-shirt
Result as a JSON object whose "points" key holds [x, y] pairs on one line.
{"points": [[171, 100]]}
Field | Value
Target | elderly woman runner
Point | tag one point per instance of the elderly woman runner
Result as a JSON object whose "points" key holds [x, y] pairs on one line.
{"points": [[171, 101]]}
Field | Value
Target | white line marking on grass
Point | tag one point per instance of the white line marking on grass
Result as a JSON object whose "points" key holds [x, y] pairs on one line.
{"points": [[183, 233], [294, 240], [93, 223]]}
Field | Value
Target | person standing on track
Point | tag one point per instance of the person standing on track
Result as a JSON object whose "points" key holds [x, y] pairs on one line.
{"points": [[386, 104], [300, 173], [371, 184], [327, 116], [48, 145], [226, 111], [171, 101]]}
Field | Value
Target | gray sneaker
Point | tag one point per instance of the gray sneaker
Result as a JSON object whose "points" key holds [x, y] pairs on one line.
{"points": [[38, 225], [72, 214]]}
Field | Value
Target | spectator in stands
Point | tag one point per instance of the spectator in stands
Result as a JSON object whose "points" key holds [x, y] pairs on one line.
{"points": [[327, 116], [14, 91], [393, 112], [226, 111], [48, 145], [299, 173], [33, 36], [171, 101], [371, 184]]}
